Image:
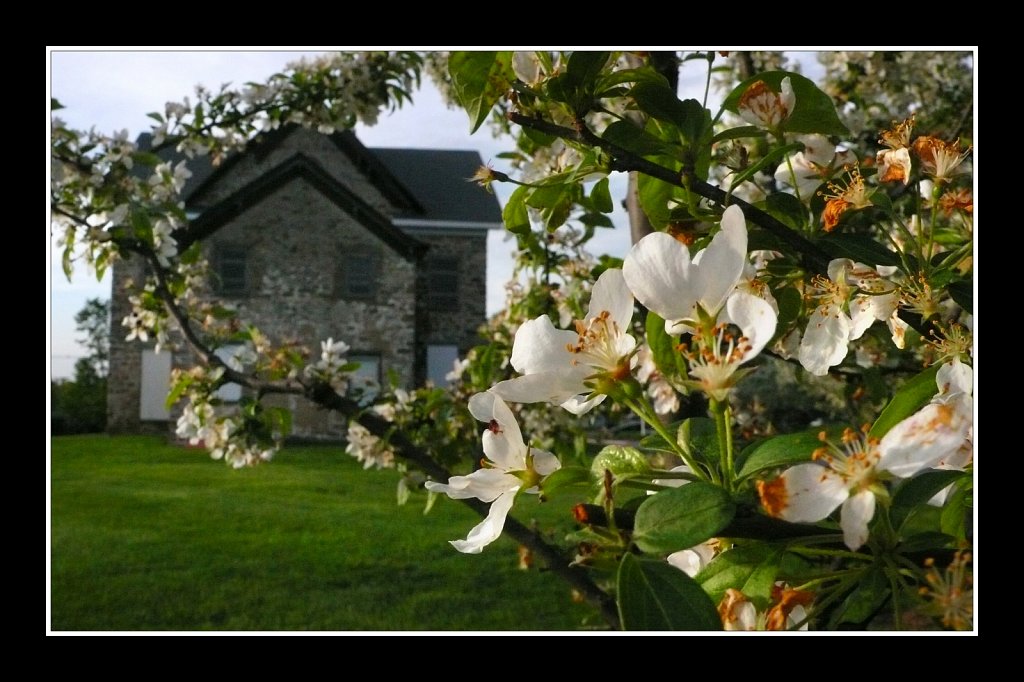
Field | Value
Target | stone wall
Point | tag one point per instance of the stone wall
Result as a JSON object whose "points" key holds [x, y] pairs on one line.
{"points": [[297, 242], [123, 380], [455, 324]]}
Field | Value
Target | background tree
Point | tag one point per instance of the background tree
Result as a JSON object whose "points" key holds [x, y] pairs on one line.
{"points": [[80, 405]]}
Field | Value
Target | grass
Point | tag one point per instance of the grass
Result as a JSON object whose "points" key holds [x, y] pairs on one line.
{"points": [[151, 536]]}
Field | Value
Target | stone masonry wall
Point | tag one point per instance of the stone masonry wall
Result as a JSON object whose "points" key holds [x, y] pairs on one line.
{"points": [[296, 241], [456, 325]]}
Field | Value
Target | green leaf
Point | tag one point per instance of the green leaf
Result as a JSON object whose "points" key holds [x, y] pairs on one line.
{"points": [[146, 159], [751, 569], [479, 80], [667, 359], [698, 437], [565, 477], [766, 160], [555, 203], [813, 111], [621, 460], [962, 294], [791, 448], [790, 302], [679, 518], [596, 220], [912, 396], [788, 209], [585, 66], [738, 132], [601, 197], [156, 116], [954, 515], [633, 138], [55, 104], [654, 196], [515, 215], [858, 247], [882, 201], [918, 490], [659, 101], [696, 121], [652, 595], [871, 592]]}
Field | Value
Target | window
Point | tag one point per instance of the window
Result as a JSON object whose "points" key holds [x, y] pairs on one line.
{"points": [[155, 385], [358, 277], [440, 361], [230, 269], [442, 274]]}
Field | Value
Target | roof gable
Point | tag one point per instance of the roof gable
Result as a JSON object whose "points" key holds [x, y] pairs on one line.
{"points": [[301, 166]]}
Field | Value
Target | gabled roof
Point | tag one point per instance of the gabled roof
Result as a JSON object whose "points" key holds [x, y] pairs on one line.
{"points": [[439, 178], [301, 166], [428, 187]]}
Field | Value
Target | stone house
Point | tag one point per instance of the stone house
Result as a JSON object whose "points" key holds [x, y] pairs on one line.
{"points": [[315, 236]]}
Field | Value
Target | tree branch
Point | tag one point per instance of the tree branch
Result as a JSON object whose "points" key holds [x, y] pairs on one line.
{"points": [[625, 160]]}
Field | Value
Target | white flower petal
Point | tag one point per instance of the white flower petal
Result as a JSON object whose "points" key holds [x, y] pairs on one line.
{"points": [[611, 293], [787, 96], [720, 265], [506, 448], [754, 316], [687, 561], [825, 341], [483, 484], [818, 149], [857, 512], [862, 315], [955, 377], [552, 387], [578, 404], [540, 347], [488, 530], [810, 492], [657, 271], [925, 438], [544, 462]]}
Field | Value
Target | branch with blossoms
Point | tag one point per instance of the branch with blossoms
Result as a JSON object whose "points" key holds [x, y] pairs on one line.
{"points": [[844, 254], [770, 240]]}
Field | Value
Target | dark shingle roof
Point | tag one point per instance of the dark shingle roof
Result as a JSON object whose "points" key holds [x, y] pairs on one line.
{"points": [[435, 178], [438, 180]]}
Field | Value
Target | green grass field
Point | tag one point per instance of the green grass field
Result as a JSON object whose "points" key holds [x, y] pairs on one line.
{"points": [[150, 536]]}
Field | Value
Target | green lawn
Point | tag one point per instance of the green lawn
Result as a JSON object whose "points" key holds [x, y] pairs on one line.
{"points": [[150, 536]]}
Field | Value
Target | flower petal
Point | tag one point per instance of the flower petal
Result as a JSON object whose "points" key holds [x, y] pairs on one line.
{"points": [[611, 293], [552, 387], [544, 462], [925, 438], [857, 512], [754, 316], [826, 340], [483, 484], [804, 493], [720, 265], [657, 271], [488, 530], [955, 377], [505, 447], [578, 404], [540, 347], [687, 561]]}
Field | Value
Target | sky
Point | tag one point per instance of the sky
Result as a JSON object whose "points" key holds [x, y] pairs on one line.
{"points": [[114, 90]]}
